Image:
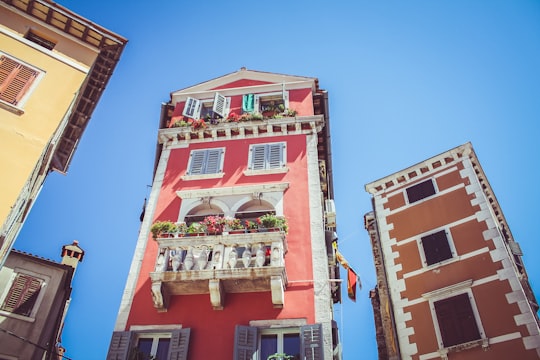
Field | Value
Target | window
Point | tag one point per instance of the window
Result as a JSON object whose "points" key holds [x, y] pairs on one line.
{"points": [[456, 320], [22, 295], [131, 345], [267, 156], [304, 342], [436, 247], [155, 347], [209, 161], [15, 80], [207, 109], [40, 40], [272, 102], [420, 191]]}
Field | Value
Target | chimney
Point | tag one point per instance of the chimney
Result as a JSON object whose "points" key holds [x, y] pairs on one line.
{"points": [[72, 254]]}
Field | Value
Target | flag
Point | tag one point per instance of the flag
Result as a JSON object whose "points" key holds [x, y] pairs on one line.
{"points": [[352, 278]]}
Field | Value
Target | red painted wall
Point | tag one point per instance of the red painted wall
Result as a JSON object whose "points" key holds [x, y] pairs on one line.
{"points": [[195, 311]]}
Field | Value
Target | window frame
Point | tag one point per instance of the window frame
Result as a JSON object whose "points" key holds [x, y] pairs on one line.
{"points": [[260, 98], [449, 241], [11, 75], [421, 196], [204, 172], [43, 280], [247, 340], [279, 332], [156, 337], [220, 105], [267, 168], [448, 293]]}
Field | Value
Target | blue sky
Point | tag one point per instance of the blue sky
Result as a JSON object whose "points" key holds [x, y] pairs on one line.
{"points": [[407, 80]]}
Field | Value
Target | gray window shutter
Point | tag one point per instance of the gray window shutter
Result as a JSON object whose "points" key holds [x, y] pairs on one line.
{"points": [[213, 161], [197, 162], [245, 342], [311, 342], [258, 157], [192, 108], [275, 156], [120, 345], [178, 349]]}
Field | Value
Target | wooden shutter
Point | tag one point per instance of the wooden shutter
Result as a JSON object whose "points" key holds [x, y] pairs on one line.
{"points": [[311, 342], [213, 161], [221, 105], [456, 320], [420, 191], [178, 349], [22, 295], [197, 162], [258, 157], [206, 162], [192, 108], [275, 156], [436, 247], [245, 342], [120, 345], [15, 80]]}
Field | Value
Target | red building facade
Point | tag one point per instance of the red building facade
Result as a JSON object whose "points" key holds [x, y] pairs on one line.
{"points": [[234, 154], [450, 280]]}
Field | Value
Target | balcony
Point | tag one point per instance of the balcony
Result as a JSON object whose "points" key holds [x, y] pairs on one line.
{"points": [[243, 129], [220, 264]]}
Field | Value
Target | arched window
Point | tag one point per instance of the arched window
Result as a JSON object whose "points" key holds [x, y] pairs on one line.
{"points": [[253, 209], [201, 211]]}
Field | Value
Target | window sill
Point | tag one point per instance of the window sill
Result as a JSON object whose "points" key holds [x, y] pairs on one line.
{"points": [[203, 176], [484, 342], [16, 316], [12, 108], [282, 170]]}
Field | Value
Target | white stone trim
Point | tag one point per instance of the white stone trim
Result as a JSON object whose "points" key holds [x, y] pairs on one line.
{"points": [[323, 300], [140, 247], [278, 323], [233, 190], [156, 328]]}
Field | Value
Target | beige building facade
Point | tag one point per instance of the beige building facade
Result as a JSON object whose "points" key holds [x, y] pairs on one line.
{"points": [[54, 66]]}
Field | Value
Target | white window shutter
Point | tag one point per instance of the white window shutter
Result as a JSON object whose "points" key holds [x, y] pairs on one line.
{"points": [[192, 108], [275, 155], [219, 104], [257, 104], [286, 99]]}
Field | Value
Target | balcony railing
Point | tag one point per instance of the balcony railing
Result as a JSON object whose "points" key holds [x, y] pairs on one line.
{"points": [[220, 264], [281, 126]]}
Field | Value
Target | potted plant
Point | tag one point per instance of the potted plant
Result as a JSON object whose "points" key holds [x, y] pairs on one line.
{"points": [[214, 224], [235, 225], [272, 221], [251, 226], [160, 228], [195, 229]]}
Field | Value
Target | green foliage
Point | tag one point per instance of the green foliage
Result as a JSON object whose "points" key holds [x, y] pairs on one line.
{"points": [[163, 227]]}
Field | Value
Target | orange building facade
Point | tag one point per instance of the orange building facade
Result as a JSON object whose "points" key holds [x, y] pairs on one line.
{"points": [[450, 280], [234, 154]]}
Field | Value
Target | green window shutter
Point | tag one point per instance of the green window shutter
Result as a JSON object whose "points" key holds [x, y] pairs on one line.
{"points": [[248, 103], [311, 342], [15, 79], [178, 349], [192, 108], [120, 345], [245, 342]]}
